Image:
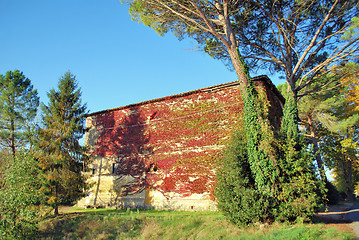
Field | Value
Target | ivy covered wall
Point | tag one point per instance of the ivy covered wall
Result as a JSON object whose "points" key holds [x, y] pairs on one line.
{"points": [[172, 144]]}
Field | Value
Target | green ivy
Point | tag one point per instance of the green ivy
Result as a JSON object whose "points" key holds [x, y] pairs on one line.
{"points": [[266, 175]]}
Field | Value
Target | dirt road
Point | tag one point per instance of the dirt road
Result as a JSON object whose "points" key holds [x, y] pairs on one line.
{"points": [[353, 215]]}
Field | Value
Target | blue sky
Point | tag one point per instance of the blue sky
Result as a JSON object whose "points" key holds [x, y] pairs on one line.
{"points": [[117, 61]]}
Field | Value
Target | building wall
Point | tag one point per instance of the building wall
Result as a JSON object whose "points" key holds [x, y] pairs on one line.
{"points": [[162, 153]]}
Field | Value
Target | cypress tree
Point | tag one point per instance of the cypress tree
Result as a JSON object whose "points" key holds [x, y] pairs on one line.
{"points": [[18, 107], [246, 174], [266, 174], [300, 191], [60, 154]]}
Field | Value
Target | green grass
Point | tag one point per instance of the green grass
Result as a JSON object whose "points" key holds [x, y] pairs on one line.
{"points": [[122, 224]]}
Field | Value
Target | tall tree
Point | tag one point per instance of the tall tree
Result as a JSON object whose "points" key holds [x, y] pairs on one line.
{"points": [[315, 110], [18, 107], [340, 141], [297, 38], [329, 116], [60, 154], [272, 179]]}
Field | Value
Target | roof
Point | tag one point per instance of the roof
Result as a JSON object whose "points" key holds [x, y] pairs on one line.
{"points": [[262, 78]]}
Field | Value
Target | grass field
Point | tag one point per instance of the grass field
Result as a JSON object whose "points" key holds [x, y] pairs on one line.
{"points": [[135, 224]]}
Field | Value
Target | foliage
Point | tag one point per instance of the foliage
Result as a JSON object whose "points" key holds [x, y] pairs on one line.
{"points": [[353, 30], [4, 164], [341, 155], [319, 112], [267, 175], [115, 224], [19, 211], [260, 140], [300, 192], [201, 20], [236, 193], [60, 155], [350, 79], [18, 107], [330, 117], [297, 38]]}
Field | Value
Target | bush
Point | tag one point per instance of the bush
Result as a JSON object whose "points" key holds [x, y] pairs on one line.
{"points": [[19, 214], [237, 196]]}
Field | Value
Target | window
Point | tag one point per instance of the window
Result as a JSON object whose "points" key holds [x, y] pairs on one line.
{"points": [[116, 167], [94, 168]]}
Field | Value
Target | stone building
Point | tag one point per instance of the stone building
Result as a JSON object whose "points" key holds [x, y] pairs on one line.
{"points": [[162, 153]]}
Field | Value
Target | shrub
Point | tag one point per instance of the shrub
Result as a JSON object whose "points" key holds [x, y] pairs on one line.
{"points": [[19, 213], [236, 193]]}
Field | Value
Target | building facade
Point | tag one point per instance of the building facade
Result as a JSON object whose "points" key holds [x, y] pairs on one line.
{"points": [[162, 153]]}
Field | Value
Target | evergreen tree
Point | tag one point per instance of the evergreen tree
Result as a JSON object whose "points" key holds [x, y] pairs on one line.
{"points": [[328, 117], [236, 192], [18, 107], [300, 193], [60, 154], [266, 173]]}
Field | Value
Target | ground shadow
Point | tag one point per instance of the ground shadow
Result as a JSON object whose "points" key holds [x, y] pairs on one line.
{"points": [[333, 214]]}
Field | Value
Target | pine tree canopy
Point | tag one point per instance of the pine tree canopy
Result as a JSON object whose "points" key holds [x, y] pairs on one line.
{"points": [[18, 107]]}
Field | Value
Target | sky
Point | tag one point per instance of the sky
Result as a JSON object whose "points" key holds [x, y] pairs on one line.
{"points": [[116, 61]]}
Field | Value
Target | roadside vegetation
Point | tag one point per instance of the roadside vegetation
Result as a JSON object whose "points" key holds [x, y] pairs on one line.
{"points": [[149, 224]]}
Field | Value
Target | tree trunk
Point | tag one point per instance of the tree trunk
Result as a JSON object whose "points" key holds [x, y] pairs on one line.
{"points": [[12, 138], [316, 153], [347, 174], [350, 190], [56, 211], [231, 44], [351, 196], [238, 67]]}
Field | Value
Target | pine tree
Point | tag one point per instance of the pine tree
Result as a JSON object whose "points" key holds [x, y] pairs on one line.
{"points": [[18, 107], [60, 154]]}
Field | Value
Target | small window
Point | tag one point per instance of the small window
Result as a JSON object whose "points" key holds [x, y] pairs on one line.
{"points": [[116, 168], [153, 116], [94, 169], [152, 168]]}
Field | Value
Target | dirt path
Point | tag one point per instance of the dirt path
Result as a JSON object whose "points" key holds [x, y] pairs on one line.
{"points": [[353, 215], [344, 217]]}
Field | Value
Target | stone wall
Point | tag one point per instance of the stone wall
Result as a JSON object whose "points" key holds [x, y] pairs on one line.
{"points": [[162, 153]]}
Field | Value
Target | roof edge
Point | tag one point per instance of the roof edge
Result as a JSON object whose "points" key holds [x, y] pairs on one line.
{"points": [[263, 78]]}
